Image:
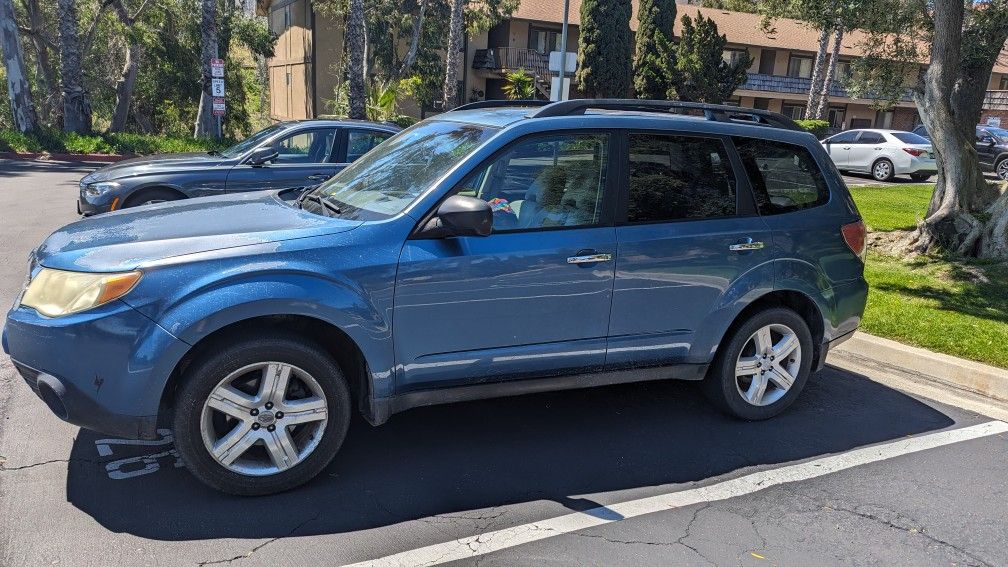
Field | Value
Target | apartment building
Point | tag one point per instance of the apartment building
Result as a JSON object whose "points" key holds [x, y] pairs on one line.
{"points": [[303, 73]]}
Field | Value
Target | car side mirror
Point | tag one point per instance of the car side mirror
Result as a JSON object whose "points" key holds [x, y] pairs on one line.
{"points": [[460, 216], [261, 155]]}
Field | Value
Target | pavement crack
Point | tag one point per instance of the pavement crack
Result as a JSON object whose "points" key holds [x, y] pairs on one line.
{"points": [[4, 467], [628, 541], [252, 551]]}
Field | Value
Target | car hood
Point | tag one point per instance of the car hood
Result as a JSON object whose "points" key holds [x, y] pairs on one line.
{"points": [[155, 164], [127, 239]]}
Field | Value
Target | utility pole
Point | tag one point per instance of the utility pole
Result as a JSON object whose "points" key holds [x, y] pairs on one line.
{"points": [[563, 49]]}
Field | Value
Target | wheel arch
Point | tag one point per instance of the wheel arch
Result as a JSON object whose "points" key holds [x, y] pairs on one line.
{"points": [[334, 340], [136, 195]]}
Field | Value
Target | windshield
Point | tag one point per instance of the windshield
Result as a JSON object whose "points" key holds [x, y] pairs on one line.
{"points": [[999, 133], [910, 138], [390, 177], [251, 142]]}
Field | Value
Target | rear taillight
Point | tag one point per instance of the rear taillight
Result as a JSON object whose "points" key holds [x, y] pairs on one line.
{"points": [[856, 236], [914, 151]]}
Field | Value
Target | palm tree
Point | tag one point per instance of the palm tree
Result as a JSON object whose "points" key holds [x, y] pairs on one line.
{"points": [[76, 106], [452, 57], [356, 47]]}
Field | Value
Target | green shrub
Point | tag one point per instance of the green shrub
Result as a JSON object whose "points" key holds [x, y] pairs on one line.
{"points": [[817, 127], [59, 142]]}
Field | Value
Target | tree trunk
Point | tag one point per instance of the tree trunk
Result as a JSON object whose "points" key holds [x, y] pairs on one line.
{"points": [[206, 122], [817, 74], [124, 88], [76, 106], [452, 57], [411, 54], [823, 103], [356, 45], [22, 105], [965, 213], [48, 106]]}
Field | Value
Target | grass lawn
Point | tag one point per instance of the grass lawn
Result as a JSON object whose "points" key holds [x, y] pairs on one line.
{"points": [[946, 305], [891, 207], [940, 305]]}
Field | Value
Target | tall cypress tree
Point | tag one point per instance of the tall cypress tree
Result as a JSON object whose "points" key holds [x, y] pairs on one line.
{"points": [[656, 19], [698, 72], [605, 48]]}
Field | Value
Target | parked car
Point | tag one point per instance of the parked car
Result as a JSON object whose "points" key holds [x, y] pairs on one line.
{"points": [[490, 251], [882, 153], [286, 155], [991, 146]]}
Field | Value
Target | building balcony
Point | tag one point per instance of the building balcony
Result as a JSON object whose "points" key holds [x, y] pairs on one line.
{"points": [[796, 85], [510, 59], [995, 100]]}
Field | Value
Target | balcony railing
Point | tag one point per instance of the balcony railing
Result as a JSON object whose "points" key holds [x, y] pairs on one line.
{"points": [[796, 85], [508, 59], [995, 100]]}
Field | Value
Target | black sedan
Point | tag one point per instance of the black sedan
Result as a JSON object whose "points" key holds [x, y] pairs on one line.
{"points": [[287, 155]]}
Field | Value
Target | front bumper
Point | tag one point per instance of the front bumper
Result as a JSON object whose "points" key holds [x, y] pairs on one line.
{"points": [[103, 370], [88, 205]]}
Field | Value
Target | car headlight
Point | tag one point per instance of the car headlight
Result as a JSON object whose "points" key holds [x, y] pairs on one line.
{"points": [[100, 188], [55, 293]]}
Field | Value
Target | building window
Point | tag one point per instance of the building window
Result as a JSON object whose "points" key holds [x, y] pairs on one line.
{"points": [[883, 119], [793, 111], [844, 71], [544, 40], [836, 116], [760, 103], [799, 66], [733, 56], [1003, 84], [287, 17]]}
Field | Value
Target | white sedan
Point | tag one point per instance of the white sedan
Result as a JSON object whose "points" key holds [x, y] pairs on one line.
{"points": [[882, 153]]}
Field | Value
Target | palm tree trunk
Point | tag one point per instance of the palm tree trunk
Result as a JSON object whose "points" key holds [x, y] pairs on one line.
{"points": [[823, 103], [356, 46], [22, 104], [452, 57], [76, 106], [411, 54], [206, 123], [817, 73]]}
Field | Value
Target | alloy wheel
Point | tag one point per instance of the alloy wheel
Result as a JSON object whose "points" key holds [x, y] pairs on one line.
{"points": [[768, 365], [264, 418], [1002, 169]]}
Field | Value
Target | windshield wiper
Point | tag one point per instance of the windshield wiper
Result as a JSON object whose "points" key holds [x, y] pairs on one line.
{"points": [[312, 196]]}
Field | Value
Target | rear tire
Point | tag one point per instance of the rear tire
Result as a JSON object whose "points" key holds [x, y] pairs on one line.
{"points": [[918, 177], [883, 170], [1001, 169], [762, 367], [232, 403]]}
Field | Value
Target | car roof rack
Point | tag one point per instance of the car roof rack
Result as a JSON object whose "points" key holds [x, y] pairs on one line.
{"points": [[713, 112], [501, 104]]}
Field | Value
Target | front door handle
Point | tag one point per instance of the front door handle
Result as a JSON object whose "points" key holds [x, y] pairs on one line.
{"points": [[746, 246], [592, 258], [318, 177]]}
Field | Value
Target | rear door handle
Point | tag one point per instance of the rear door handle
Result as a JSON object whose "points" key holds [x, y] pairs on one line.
{"points": [[592, 258], [749, 244], [318, 177]]}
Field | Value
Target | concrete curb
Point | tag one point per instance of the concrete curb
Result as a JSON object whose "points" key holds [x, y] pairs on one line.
{"points": [[942, 369]]}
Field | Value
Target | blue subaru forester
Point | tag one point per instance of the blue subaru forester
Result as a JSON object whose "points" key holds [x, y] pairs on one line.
{"points": [[496, 250]]}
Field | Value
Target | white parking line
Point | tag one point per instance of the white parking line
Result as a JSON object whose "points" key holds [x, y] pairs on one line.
{"points": [[526, 533]]}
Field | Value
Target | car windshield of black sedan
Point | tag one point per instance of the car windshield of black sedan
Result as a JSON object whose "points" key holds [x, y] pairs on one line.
{"points": [[390, 177], [251, 142]]}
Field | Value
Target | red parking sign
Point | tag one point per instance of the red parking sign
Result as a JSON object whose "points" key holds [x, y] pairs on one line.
{"points": [[218, 106], [216, 67]]}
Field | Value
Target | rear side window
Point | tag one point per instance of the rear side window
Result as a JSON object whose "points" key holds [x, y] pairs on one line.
{"points": [[784, 177], [910, 138], [678, 178]]}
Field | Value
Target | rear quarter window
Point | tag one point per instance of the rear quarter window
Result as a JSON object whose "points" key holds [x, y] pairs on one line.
{"points": [[784, 177]]}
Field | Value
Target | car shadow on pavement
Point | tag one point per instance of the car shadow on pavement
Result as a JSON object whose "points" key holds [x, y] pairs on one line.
{"points": [[15, 168], [476, 455]]}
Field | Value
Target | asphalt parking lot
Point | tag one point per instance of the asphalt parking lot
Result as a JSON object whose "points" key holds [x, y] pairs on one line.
{"points": [[648, 474]]}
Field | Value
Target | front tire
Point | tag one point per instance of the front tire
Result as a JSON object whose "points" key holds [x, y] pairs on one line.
{"points": [[762, 367], [883, 170], [261, 415], [1001, 169]]}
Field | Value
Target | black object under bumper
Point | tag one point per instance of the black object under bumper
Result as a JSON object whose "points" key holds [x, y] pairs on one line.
{"points": [[71, 406]]}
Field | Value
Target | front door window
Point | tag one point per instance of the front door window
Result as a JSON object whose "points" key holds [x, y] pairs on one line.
{"points": [[307, 146]]}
